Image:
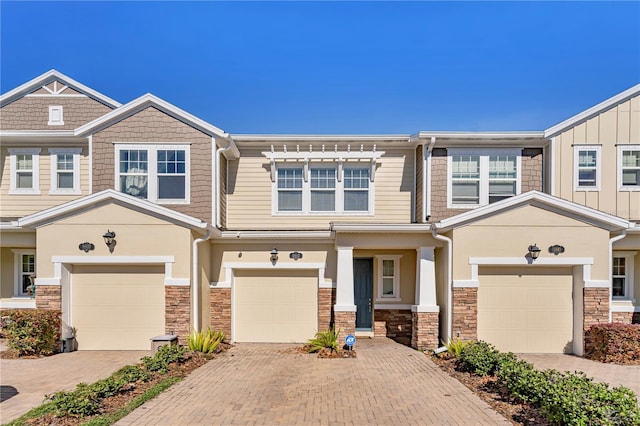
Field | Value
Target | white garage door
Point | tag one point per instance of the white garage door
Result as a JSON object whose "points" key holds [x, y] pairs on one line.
{"points": [[117, 307], [526, 311], [275, 308]]}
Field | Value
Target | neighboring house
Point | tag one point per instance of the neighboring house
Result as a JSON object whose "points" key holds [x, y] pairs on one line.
{"points": [[421, 237]]}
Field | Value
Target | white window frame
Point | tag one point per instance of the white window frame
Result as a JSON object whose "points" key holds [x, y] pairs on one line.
{"points": [[54, 171], [17, 269], [620, 168], [628, 257], [395, 297], [306, 167], [576, 168], [152, 168], [35, 170], [53, 111], [484, 155]]}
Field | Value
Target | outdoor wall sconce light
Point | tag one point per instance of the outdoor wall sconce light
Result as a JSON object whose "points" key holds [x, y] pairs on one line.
{"points": [[110, 240], [274, 256], [534, 251], [86, 247], [295, 255], [556, 249]]}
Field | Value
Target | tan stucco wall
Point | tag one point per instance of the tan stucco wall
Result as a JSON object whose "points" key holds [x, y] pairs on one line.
{"points": [[150, 126], [260, 252], [32, 113], [137, 234], [617, 126], [18, 205], [249, 200], [407, 273], [509, 234]]}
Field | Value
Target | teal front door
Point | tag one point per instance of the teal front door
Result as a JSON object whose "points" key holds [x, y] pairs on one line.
{"points": [[363, 292]]}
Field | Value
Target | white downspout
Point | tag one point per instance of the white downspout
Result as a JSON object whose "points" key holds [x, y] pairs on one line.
{"points": [[426, 179], [219, 152], [611, 241], [195, 280], [448, 280]]}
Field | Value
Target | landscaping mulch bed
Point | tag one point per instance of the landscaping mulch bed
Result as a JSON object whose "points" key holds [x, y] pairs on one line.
{"points": [[113, 404], [490, 392]]}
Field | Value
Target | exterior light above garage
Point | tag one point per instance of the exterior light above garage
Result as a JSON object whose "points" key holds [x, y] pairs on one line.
{"points": [[274, 256], [534, 251], [110, 240]]}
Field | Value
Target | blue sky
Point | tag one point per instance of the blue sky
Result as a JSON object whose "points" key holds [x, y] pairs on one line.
{"points": [[359, 67]]}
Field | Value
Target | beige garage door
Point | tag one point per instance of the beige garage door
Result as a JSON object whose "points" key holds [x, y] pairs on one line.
{"points": [[275, 308], [528, 311], [117, 307]]}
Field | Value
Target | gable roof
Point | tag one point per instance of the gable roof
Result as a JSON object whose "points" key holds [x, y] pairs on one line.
{"points": [[593, 111], [110, 195], [47, 78], [543, 201]]}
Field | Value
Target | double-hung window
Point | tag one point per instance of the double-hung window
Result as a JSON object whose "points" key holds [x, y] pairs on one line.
{"points": [[629, 167], [25, 269], [587, 167], [622, 275], [322, 188], [388, 278], [25, 170], [478, 178], [290, 189], [158, 173], [65, 170], [356, 189]]}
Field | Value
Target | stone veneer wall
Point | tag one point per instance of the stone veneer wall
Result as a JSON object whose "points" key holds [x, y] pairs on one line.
{"points": [[465, 313], [635, 319], [393, 323], [623, 317], [424, 328], [49, 297], [220, 300], [177, 302], [596, 311], [345, 322], [326, 300]]}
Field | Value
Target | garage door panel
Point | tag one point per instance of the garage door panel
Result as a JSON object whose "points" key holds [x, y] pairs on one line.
{"points": [[525, 312], [117, 307], [269, 308]]}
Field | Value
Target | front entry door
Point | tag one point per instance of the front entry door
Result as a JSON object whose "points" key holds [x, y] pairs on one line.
{"points": [[363, 292]]}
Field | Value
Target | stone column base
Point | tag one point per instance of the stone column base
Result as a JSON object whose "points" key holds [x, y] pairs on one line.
{"points": [[177, 300], [465, 313], [623, 317], [424, 330], [345, 322], [49, 297], [220, 301], [596, 311]]}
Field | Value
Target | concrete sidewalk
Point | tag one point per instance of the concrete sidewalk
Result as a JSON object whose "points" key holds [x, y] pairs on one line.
{"points": [[388, 384], [25, 382]]}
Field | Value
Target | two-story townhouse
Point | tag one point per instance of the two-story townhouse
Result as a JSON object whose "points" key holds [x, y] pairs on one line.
{"points": [[422, 237]]}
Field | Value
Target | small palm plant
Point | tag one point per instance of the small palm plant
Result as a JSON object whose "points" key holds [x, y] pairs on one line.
{"points": [[205, 341], [455, 346], [324, 339]]}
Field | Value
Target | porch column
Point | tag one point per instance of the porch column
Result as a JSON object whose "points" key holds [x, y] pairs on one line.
{"points": [[425, 313], [345, 308]]}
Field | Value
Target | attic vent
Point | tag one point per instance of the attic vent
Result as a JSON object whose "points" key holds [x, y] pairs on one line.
{"points": [[55, 115]]}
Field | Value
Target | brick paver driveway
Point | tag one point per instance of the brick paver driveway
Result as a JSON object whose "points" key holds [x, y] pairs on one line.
{"points": [[253, 384], [32, 379], [615, 375]]}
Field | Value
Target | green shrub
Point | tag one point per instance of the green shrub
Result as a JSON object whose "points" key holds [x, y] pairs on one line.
{"points": [[108, 387], [132, 373], [166, 355], [81, 402], [324, 339], [522, 380], [618, 343], [481, 358], [454, 347], [32, 331], [205, 341]]}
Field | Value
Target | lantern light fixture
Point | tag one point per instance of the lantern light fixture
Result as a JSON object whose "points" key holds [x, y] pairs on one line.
{"points": [[534, 251]]}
